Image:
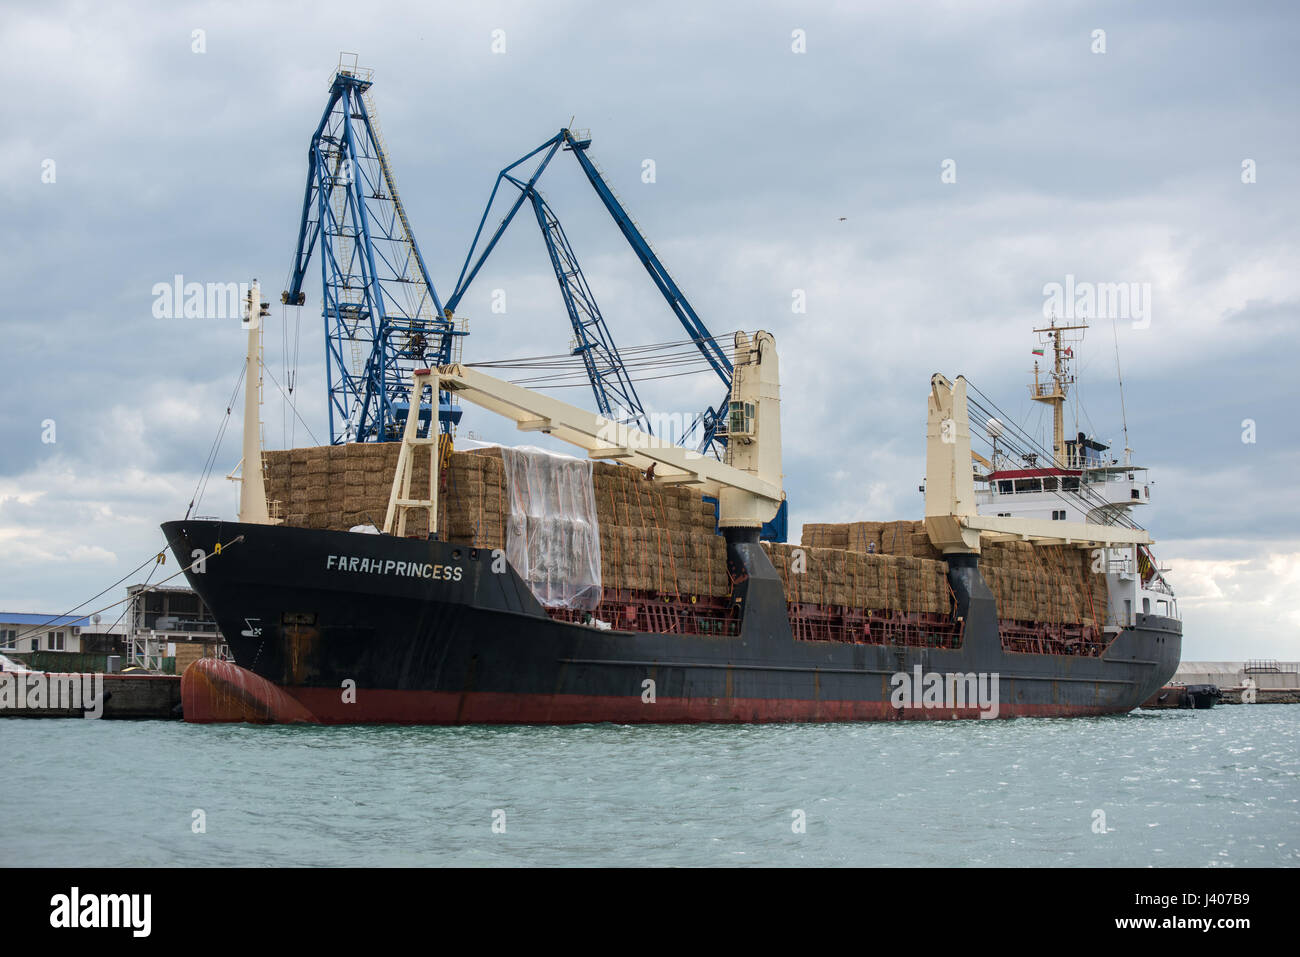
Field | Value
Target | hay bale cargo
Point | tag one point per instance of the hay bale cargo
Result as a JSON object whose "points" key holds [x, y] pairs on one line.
{"points": [[659, 538], [652, 537], [1032, 583], [860, 580]]}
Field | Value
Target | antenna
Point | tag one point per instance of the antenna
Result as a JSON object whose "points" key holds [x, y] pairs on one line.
{"points": [[1123, 412], [1054, 391]]}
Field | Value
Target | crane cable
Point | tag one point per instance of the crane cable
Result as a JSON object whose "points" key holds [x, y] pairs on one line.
{"points": [[570, 371], [1025, 444]]}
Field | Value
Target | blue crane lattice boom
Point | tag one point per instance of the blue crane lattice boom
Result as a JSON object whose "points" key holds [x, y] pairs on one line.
{"points": [[382, 314], [615, 395]]}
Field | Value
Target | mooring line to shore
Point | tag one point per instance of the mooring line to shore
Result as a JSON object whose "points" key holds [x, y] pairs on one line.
{"points": [[155, 558]]}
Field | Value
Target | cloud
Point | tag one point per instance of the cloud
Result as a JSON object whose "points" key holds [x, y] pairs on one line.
{"points": [[1236, 607]]}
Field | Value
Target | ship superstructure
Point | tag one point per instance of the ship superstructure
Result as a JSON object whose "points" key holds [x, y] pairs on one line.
{"points": [[1079, 479]]}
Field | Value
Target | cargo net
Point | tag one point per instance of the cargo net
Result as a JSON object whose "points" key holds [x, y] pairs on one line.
{"points": [[552, 535]]}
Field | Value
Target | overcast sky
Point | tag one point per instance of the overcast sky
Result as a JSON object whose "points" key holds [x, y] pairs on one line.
{"points": [[776, 171]]}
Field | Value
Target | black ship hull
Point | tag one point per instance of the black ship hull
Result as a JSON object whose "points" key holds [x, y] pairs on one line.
{"points": [[355, 628]]}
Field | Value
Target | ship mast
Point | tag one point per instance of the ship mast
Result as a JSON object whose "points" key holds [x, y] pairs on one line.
{"points": [[252, 486], [1053, 392]]}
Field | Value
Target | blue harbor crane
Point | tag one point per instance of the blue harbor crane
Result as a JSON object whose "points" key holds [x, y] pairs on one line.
{"points": [[383, 318], [615, 394]]}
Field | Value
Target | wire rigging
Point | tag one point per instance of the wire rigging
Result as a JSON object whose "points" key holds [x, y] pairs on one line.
{"points": [[1114, 323], [565, 370], [69, 613], [220, 548], [288, 400], [202, 484], [1017, 441]]}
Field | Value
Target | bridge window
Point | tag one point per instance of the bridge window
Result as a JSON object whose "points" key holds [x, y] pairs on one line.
{"points": [[1070, 483], [1029, 485], [1004, 487], [1049, 484]]}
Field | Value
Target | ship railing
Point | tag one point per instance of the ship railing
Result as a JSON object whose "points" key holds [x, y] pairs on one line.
{"points": [[348, 66], [1270, 666], [1099, 477], [1044, 638], [811, 622], [1120, 565], [1158, 585]]}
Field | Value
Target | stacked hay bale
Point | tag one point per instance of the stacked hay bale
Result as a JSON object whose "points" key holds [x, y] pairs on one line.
{"points": [[908, 539], [653, 537], [330, 486], [1043, 583], [656, 537], [852, 579], [826, 536], [339, 487]]}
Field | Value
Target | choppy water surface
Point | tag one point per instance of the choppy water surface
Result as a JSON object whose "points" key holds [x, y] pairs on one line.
{"points": [[1214, 788]]}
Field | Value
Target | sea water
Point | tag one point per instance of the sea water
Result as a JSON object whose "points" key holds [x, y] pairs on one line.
{"points": [[1201, 788]]}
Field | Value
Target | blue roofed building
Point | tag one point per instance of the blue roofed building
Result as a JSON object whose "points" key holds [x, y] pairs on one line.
{"points": [[27, 631]]}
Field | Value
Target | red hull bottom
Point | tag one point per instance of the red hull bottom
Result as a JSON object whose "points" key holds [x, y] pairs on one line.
{"points": [[428, 707], [220, 692], [215, 691]]}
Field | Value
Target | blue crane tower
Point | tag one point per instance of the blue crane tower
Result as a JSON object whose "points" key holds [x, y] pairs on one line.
{"points": [[382, 314]]}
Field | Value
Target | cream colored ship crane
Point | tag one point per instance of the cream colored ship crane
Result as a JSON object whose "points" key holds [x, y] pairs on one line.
{"points": [[748, 485], [950, 514], [253, 506]]}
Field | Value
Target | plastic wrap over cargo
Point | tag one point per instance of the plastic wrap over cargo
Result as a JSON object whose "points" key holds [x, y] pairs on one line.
{"points": [[653, 537], [552, 535]]}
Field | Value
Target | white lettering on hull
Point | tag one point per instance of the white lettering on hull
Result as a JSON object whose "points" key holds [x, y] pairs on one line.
{"points": [[366, 566]]}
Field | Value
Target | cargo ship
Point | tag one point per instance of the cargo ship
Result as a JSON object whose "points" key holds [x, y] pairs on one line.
{"points": [[629, 583]]}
